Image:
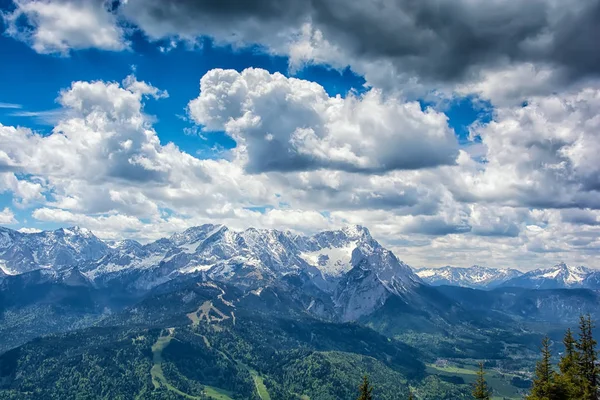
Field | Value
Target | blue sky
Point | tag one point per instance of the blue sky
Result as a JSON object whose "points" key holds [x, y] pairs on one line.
{"points": [[33, 80], [452, 152]]}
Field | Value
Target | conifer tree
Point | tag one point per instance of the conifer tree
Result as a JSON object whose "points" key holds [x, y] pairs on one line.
{"points": [[365, 389], [588, 359], [569, 379], [543, 382], [569, 361], [480, 387], [410, 396]]}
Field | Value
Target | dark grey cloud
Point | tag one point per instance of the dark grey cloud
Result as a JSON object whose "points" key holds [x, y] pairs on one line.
{"points": [[539, 247], [435, 227], [230, 20], [8, 168], [579, 217], [190, 10], [436, 39], [500, 230], [409, 202], [277, 156], [441, 39]]}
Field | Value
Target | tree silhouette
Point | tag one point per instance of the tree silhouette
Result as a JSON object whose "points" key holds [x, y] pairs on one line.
{"points": [[365, 389], [587, 359], [480, 387], [569, 380], [543, 382]]}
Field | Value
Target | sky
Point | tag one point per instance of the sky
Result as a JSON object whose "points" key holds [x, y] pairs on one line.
{"points": [[459, 132]]}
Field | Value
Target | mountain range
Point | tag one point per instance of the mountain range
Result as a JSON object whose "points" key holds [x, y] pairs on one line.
{"points": [[560, 276], [335, 301], [344, 274], [473, 277], [23, 252]]}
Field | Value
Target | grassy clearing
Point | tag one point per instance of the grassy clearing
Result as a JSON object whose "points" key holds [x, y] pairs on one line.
{"points": [[453, 370], [259, 382], [217, 394], [158, 377], [156, 372], [499, 382], [208, 312], [193, 316]]}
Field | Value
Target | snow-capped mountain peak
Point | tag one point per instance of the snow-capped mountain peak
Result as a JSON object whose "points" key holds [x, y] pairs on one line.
{"points": [[76, 231], [356, 232], [560, 275], [22, 252], [474, 277], [195, 233]]}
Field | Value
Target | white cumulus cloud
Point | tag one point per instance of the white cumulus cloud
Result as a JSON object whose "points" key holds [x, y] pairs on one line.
{"points": [[288, 124], [7, 217], [104, 167], [59, 26], [543, 154]]}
